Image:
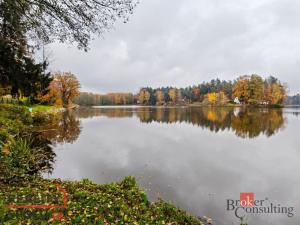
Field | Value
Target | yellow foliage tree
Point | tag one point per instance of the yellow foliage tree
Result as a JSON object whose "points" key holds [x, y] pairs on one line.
{"points": [[141, 96], [160, 97], [144, 96], [277, 94], [212, 97], [173, 95], [147, 96]]}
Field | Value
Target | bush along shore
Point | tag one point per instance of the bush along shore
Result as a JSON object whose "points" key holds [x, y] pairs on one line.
{"points": [[25, 154]]}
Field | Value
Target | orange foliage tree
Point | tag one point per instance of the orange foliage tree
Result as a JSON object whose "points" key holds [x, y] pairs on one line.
{"points": [[63, 89]]}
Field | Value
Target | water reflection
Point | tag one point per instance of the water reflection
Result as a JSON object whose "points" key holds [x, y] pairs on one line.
{"points": [[63, 128], [28, 154], [57, 129], [44, 157], [244, 122], [194, 157]]}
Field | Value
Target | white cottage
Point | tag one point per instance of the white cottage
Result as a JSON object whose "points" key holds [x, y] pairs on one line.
{"points": [[236, 100]]}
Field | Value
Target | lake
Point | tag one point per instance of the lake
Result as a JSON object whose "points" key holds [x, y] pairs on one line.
{"points": [[196, 157]]}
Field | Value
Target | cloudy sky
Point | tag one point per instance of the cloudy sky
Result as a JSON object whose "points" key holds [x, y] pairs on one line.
{"points": [[185, 42]]}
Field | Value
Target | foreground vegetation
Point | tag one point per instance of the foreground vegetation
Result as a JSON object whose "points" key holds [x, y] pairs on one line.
{"points": [[88, 203], [25, 154]]}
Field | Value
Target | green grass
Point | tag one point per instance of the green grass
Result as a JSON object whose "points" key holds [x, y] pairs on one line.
{"points": [[35, 108], [41, 108]]}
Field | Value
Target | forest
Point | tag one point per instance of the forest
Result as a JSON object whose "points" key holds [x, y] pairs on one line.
{"points": [[247, 89]]}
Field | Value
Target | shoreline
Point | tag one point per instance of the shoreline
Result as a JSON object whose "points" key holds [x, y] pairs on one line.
{"points": [[189, 105]]}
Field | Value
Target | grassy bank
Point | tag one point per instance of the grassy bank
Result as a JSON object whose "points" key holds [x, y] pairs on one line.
{"points": [[42, 108], [35, 107], [88, 203], [24, 155]]}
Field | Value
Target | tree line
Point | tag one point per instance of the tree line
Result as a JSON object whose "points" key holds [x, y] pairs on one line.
{"points": [[293, 100], [90, 99], [248, 89]]}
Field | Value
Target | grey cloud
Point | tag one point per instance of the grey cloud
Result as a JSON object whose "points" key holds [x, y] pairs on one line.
{"points": [[174, 42]]}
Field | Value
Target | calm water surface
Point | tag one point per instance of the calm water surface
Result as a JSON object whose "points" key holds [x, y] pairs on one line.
{"points": [[195, 157]]}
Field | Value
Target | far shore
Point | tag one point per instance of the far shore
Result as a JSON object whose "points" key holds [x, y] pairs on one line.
{"points": [[192, 105]]}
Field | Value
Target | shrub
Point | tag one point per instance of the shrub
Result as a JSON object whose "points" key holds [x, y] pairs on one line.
{"points": [[14, 121], [23, 158], [14, 112]]}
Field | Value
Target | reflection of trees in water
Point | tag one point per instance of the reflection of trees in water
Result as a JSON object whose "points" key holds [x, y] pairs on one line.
{"points": [[31, 153], [107, 112], [245, 122], [47, 155], [214, 120], [64, 127], [296, 113], [251, 123]]}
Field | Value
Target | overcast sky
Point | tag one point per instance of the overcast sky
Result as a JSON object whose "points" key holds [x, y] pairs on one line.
{"points": [[185, 42]]}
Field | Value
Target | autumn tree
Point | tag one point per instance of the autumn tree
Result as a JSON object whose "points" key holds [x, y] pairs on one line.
{"points": [[196, 93], [144, 97], [173, 95], [212, 98], [242, 89], [275, 92], [65, 87], [256, 89], [249, 89], [222, 99], [160, 97]]}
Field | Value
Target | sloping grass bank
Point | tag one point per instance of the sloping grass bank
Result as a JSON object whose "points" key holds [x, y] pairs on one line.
{"points": [[88, 203], [23, 155], [42, 108]]}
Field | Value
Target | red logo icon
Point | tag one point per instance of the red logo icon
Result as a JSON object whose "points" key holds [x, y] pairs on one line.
{"points": [[58, 216], [247, 199]]}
